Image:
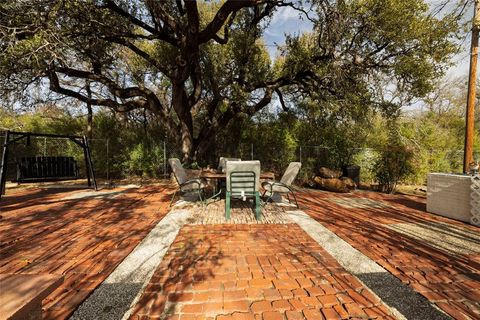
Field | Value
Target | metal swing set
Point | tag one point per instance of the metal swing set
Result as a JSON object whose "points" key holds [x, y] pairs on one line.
{"points": [[45, 168]]}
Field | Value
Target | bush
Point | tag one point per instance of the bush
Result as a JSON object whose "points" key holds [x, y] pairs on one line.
{"points": [[145, 161], [393, 165], [366, 158]]}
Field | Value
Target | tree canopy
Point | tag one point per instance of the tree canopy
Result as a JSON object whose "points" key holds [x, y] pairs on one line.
{"points": [[199, 65]]}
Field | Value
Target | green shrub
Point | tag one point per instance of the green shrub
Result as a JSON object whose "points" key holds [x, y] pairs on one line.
{"points": [[145, 161], [393, 165], [366, 159]]}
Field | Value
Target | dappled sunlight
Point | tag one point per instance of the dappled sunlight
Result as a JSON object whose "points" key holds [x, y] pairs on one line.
{"points": [[436, 256], [83, 239]]}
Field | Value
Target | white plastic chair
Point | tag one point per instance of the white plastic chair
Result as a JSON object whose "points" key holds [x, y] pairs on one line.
{"points": [[222, 163], [284, 186], [186, 185]]}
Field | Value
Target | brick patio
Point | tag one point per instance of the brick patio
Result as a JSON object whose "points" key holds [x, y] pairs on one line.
{"points": [[445, 272], [220, 271], [241, 213], [84, 239], [269, 271]]}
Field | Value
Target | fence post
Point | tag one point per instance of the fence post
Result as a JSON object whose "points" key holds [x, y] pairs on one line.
{"points": [[164, 159], [300, 154], [108, 161], [251, 150], [3, 168]]}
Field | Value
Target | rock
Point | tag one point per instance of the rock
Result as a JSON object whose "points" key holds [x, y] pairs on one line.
{"points": [[310, 183], [327, 173], [349, 183], [335, 185]]}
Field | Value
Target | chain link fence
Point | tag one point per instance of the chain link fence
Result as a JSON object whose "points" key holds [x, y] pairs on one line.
{"points": [[316, 156], [113, 161]]}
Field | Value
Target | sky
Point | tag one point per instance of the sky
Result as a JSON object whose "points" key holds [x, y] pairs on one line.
{"points": [[287, 21]]}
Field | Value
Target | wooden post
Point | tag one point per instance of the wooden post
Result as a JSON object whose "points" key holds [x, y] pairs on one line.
{"points": [[88, 160], [87, 163], [3, 167], [471, 96]]}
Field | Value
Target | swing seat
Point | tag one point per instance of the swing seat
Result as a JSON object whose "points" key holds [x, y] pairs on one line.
{"points": [[42, 169]]}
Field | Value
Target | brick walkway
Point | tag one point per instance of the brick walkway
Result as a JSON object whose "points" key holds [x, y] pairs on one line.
{"points": [[268, 272], [84, 239], [399, 234]]}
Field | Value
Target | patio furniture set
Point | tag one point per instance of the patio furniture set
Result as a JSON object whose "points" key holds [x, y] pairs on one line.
{"points": [[238, 180]]}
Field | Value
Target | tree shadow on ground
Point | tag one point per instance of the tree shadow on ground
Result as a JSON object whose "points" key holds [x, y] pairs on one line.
{"points": [[189, 264], [415, 204], [362, 227], [367, 231], [84, 239]]}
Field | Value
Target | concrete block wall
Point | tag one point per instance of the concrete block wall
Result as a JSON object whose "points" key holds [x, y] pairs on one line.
{"points": [[448, 195]]}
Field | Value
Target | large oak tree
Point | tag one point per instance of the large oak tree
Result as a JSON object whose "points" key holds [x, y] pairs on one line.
{"points": [[198, 65]]}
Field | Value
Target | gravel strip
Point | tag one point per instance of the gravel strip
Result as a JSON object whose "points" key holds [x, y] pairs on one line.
{"points": [[94, 195], [453, 239]]}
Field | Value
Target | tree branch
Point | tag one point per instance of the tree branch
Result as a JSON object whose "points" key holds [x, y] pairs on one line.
{"points": [[170, 25], [180, 8], [229, 7], [159, 34], [109, 4], [139, 52], [114, 88], [282, 102], [119, 107]]}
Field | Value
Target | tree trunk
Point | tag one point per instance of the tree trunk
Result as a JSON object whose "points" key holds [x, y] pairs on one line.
{"points": [[89, 113], [187, 146], [203, 144]]}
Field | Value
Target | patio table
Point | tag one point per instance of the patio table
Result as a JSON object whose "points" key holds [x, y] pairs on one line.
{"points": [[222, 176]]}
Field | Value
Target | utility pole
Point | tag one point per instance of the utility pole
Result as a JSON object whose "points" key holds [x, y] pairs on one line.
{"points": [[471, 96]]}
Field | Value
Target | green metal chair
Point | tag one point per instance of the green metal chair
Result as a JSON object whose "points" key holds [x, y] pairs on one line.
{"points": [[185, 185], [243, 181]]}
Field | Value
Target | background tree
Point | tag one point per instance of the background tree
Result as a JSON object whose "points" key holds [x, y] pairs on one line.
{"points": [[199, 66]]}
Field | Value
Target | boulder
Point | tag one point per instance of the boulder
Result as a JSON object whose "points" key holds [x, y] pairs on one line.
{"points": [[335, 185], [327, 173], [349, 183]]}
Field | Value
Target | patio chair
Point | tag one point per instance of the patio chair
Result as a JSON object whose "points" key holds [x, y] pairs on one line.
{"points": [[222, 166], [222, 163], [243, 181], [185, 185], [284, 186]]}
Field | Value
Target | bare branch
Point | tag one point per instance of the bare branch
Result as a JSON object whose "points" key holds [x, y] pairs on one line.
{"points": [[282, 102], [139, 52], [119, 107], [229, 7], [159, 34]]}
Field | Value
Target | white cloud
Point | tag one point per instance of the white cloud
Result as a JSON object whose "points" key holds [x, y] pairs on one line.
{"points": [[284, 14], [271, 33]]}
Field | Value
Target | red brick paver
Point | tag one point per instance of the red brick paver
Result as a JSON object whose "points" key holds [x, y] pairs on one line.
{"points": [[83, 239], [252, 272], [448, 279]]}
